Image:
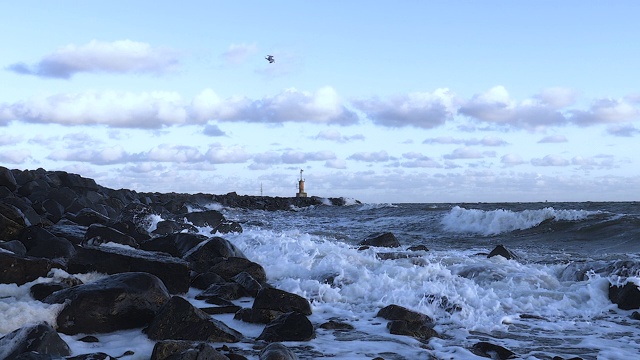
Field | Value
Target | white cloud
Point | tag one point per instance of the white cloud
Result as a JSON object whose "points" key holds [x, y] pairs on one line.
{"points": [[550, 160], [606, 111], [420, 109], [557, 97], [627, 130], [418, 160], [336, 164], [379, 156], [334, 135], [122, 56], [553, 139], [15, 156], [213, 130], [238, 53], [464, 153], [174, 153], [511, 160], [219, 154]]}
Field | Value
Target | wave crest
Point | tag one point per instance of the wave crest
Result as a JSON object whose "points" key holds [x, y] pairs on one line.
{"points": [[494, 222]]}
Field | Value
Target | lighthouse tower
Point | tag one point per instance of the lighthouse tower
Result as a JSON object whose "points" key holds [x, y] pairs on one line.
{"points": [[301, 192]]}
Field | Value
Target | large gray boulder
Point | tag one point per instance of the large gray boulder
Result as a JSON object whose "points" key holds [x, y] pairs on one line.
{"points": [[117, 302], [40, 338]]}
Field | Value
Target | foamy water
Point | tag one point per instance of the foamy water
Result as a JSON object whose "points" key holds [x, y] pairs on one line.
{"points": [[527, 306]]}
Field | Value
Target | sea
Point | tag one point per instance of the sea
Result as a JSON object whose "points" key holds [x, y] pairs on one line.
{"points": [[550, 300]]}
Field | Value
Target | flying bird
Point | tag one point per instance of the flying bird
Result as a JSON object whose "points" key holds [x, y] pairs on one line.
{"points": [[270, 59]]}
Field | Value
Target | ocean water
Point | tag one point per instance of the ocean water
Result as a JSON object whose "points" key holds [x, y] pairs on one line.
{"points": [[550, 301]]}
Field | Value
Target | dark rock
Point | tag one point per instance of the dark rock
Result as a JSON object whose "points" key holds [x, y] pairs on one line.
{"points": [[225, 291], [7, 179], [99, 234], [635, 315], [336, 325], [386, 239], [280, 300], [397, 312], [93, 356], [443, 303], [227, 226], [54, 211], [87, 217], [178, 244], [250, 285], [41, 243], [129, 228], [257, 316], [89, 339], [203, 257], [15, 246], [117, 302], [42, 290], [185, 350], [32, 355], [276, 351], [211, 218], [416, 330], [627, 297], [166, 227], [11, 222], [173, 272], [20, 270], [40, 338], [292, 326], [502, 251], [230, 267], [493, 351], [179, 320], [418, 248], [225, 309], [204, 280]]}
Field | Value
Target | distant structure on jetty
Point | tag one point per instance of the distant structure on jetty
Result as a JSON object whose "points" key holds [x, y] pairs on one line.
{"points": [[301, 192]]}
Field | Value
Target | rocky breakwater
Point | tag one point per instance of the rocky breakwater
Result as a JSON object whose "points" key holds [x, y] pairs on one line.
{"points": [[55, 225]]}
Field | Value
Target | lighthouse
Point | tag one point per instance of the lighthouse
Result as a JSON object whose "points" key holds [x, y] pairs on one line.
{"points": [[301, 192]]}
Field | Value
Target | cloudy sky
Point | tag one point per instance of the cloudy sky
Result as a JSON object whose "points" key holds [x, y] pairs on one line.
{"points": [[381, 101]]}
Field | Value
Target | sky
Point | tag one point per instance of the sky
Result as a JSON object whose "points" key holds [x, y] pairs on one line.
{"points": [[378, 101]]}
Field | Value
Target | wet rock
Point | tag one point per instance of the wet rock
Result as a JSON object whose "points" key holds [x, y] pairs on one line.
{"points": [[397, 312], [277, 351], [418, 248], [87, 217], [12, 222], [227, 227], [211, 218], [408, 322], [166, 227], [627, 297], [185, 350], [204, 280], [177, 244], [280, 300], [502, 251], [99, 234], [117, 302], [336, 325], [250, 285], [292, 326], [228, 268], [386, 239], [210, 252], [40, 338], [179, 320], [257, 316], [489, 350], [19, 270], [173, 272], [224, 291], [7, 179], [41, 243], [14, 246]]}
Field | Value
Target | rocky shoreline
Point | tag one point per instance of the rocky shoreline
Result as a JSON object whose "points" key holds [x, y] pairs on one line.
{"points": [[55, 226]]}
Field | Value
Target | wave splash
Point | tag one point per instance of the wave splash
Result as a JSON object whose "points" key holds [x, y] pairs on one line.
{"points": [[494, 222]]}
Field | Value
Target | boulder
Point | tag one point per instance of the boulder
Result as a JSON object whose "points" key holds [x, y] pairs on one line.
{"points": [[211, 252], [627, 297], [7, 179], [15, 269], [280, 300], [41, 243], [179, 320], [385, 239], [40, 338], [12, 222], [166, 227], [87, 216], [276, 351], [502, 251], [250, 285], [176, 244], [173, 272], [228, 268], [397, 312], [185, 350], [15, 246], [292, 326], [117, 302], [204, 280], [489, 350], [211, 218], [226, 227], [408, 322], [224, 291], [98, 234]]}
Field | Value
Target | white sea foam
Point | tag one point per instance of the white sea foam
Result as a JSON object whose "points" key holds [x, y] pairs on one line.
{"points": [[499, 221]]}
